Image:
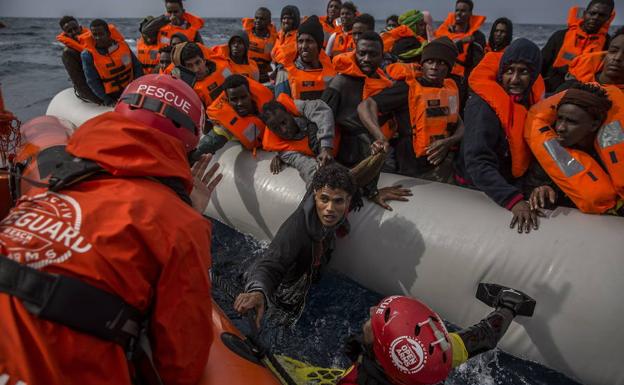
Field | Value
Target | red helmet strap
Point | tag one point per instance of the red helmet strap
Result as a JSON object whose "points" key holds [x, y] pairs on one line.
{"points": [[141, 101]]}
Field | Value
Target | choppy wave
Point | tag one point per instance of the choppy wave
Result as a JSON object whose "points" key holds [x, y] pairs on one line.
{"points": [[23, 67]]}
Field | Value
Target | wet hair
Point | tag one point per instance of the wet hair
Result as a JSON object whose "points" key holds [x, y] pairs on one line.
{"points": [[190, 51], [99, 23], [372, 36], [265, 10], [367, 20], [66, 19], [469, 2], [350, 6], [235, 81], [334, 176], [165, 49], [598, 111], [394, 18], [269, 109]]}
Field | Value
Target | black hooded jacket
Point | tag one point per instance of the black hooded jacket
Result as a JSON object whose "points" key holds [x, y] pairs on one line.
{"points": [[508, 39], [245, 38]]}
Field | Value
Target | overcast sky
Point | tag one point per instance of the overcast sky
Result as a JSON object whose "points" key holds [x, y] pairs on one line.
{"points": [[520, 11]]}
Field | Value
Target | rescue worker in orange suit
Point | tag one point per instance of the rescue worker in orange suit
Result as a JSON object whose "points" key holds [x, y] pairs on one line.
{"points": [[329, 21], [429, 125], [587, 32], [236, 53], [262, 35], [404, 342], [235, 115], [307, 76], [341, 41], [180, 21], [604, 67], [164, 59], [147, 44], [112, 245], [493, 155], [73, 38], [301, 132], [285, 48], [210, 72], [105, 80], [576, 137], [359, 77], [462, 27], [501, 35]]}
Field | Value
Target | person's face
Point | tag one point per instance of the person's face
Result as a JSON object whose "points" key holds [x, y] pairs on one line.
{"points": [[357, 31], [346, 18], [421, 29], [197, 65], [72, 29], [500, 34], [101, 36], [435, 70], [262, 20], [175, 12], [391, 24], [614, 60], [288, 22], [462, 13], [308, 48], [283, 123], [574, 125], [333, 10], [237, 48], [165, 59], [368, 55], [595, 16], [240, 100], [331, 205], [516, 79]]}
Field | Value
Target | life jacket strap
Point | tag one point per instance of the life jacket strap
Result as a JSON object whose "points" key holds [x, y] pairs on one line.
{"points": [[155, 105]]}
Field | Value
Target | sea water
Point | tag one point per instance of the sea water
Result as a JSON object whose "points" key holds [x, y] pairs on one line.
{"points": [[31, 73]]}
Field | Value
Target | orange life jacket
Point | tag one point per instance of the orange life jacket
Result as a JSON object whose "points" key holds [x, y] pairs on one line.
{"points": [[249, 70], [577, 41], [285, 49], [259, 47], [585, 67], [310, 84], [328, 29], [73, 44], [445, 30], [210, 87], [403, 71], [391, 37], [194, 25], [115, 67], [249, 130], [148, 55], [512, 115], [343, 43], [593, 189], [346, 64]]}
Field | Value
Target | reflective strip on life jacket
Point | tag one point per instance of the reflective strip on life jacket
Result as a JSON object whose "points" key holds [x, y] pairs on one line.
{"points": [[475, 23], [259, 47], [115, 67], [148, 56], [310, 84]]}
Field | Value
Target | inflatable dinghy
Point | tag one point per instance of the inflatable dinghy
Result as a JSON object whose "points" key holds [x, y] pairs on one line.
{"points": [[441, 244]]}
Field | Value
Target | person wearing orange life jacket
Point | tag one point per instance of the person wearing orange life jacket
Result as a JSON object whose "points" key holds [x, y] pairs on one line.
{"points": [[341, 41], [164, 59], [362, 23], [587, 32], [411, 25], [235, 115], [463, 28], [307, 76], [73, 38], [236, 54], [285, 48], [301, 132], [359, 77], [329, 21], [147, 44], [392, 22], [109, 64], [262, 35], [577, 139], [430, 127], [210, 72], [180, 21], [117, 239], [176, 39], [501, 35], [606, 68], [493, 154]]}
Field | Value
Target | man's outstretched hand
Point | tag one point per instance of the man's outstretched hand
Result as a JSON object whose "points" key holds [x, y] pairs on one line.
{"points": [[392, 193], [251, 301], [204, 182]]}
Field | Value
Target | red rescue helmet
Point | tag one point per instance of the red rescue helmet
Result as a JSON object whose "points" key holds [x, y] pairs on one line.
{"points": [[167, 104], [410, 342]]}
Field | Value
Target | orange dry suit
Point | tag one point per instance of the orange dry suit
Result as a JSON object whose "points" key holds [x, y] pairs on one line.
{"points": [[512, 115], [260, 47], [310, 84], [115, 68], [126, 232], [593, 187], [248, 130], [445, 30], [148, 55], [249, 70], [193, 25]]}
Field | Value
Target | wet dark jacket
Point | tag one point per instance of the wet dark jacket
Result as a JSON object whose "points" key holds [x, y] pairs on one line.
{"points": [[73, 65]]}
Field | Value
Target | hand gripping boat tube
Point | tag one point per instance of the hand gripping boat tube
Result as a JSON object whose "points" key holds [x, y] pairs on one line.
{"points": [[441, 244]]}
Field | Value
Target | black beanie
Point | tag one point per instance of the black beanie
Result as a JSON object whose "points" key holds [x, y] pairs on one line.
{"points": [[608, 3], [312, 26], [441, 48]]}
